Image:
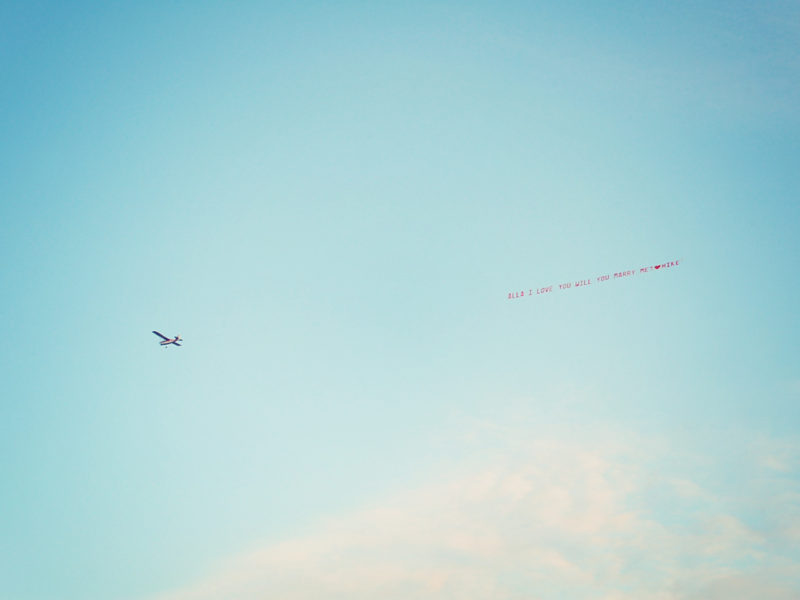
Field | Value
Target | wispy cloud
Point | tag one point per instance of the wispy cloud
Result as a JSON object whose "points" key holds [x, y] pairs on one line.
{"points": [[539, 516]]}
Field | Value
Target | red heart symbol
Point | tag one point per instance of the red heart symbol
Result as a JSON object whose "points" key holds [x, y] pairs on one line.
{"points": [[657, 267]]}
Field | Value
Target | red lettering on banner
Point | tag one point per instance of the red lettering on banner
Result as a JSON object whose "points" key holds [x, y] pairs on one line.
{"points": [[585, 282]]}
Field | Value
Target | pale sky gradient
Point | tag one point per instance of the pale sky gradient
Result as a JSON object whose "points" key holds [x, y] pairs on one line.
{"points": [[331, 203]]}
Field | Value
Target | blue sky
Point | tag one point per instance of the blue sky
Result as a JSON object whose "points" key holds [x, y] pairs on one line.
{"points": [[331, 204]]}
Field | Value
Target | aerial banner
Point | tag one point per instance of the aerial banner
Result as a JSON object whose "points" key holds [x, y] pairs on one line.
{"points": [[597, 280]]}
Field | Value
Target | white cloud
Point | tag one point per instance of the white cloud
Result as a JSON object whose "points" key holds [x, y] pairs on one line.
{"points": [[556, 516]]}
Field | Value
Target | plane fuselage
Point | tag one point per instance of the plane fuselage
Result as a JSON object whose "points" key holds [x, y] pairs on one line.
{"points": [[167, 340]]}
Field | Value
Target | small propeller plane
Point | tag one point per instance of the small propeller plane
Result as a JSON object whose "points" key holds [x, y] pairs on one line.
{"points": [[167, 341]]}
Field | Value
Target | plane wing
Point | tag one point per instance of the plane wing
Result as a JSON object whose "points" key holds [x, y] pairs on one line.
{"points": [[175, 344], [163, 337]]}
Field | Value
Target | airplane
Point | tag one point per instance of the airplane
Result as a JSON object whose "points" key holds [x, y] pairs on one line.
{"points": [[167, 341]]}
